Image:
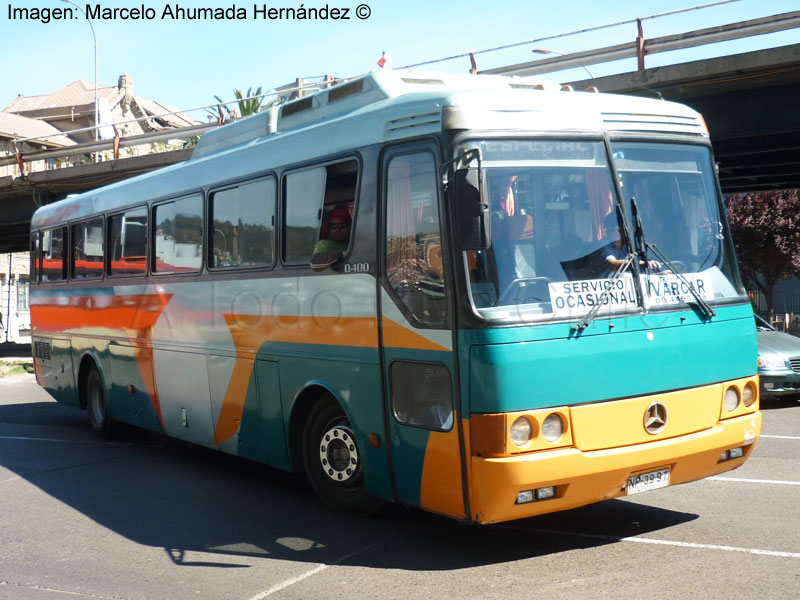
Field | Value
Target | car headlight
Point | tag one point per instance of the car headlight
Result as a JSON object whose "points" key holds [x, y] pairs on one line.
{"points": [[771, 361]]}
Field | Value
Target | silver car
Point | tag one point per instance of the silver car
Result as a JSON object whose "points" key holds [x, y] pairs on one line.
{"points": [[778, 361]]}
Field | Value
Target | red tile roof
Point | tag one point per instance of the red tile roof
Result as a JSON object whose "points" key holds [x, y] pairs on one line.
{"points": [[14, 126], [80, 93], [158, 108], [75, 94]]}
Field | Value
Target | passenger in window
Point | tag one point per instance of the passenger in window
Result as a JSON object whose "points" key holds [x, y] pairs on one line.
{"points": [[332, 248]]}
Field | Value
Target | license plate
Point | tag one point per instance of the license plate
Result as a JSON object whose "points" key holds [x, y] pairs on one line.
{"points": [[645, 482]]}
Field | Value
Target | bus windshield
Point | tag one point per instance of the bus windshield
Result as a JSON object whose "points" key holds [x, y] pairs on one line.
{"points": [[557, 238]]}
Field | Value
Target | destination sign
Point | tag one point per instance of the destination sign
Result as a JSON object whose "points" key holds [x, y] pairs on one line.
{"points": [[663, 290], [572, 298]]}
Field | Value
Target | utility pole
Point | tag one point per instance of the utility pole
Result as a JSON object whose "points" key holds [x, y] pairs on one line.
{"points": [[8, 310]]}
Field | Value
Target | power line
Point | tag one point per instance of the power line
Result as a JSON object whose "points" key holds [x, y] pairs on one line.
{"points": [[569, 33]]}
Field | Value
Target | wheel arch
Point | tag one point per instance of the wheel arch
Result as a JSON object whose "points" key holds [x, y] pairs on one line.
{"points": [[87, 363], [311, 393]]}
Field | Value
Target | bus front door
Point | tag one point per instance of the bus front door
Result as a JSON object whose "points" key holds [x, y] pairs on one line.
{"points": [[416, 337]]}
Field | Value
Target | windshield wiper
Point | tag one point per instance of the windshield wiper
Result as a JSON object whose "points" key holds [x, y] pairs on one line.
{"points": [[643, 246], [638, 235], [596, 308], [704, 307]]}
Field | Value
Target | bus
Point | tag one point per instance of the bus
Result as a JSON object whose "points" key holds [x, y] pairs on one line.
{"points": [[529, 300]]}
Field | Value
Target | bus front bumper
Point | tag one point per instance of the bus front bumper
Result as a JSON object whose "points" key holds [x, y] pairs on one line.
{"points": [[581, 478]]}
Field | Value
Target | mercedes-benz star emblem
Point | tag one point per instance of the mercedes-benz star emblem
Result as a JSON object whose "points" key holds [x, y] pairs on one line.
{"points": [[655, 418]]}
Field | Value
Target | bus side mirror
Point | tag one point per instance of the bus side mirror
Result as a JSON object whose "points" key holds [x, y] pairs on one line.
{"points": [[473, 221]]}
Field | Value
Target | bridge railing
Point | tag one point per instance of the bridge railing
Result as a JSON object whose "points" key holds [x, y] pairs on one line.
{"points": [[24, 162], [25, 157], [641, 46]]}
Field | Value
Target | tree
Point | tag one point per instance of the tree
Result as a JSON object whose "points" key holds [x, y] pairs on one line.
{"points": [[766, 232], [249, 104]]}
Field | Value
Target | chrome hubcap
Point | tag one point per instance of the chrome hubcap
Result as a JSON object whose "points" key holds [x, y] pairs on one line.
{"points": [[338, 453]]}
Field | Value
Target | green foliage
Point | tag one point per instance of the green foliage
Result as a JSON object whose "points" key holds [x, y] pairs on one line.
{"points": [[249, 103], [12, 369]]}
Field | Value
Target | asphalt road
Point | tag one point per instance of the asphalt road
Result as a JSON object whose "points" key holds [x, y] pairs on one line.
{"points": [[147, 517]]}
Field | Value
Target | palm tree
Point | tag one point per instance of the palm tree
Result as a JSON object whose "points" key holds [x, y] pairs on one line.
{"points": [[249, 104]]}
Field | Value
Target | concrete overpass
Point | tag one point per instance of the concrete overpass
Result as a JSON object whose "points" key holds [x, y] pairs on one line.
{"points": [[748, 101], [21, 196]]}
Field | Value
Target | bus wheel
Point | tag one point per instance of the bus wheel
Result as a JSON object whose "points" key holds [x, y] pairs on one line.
{"points": [[332, 461], [96, 403]]}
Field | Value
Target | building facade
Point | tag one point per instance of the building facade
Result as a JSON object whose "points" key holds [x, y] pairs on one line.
{"points": [[15, 303]]}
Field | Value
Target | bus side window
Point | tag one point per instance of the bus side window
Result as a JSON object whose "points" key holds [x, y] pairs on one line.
{"points": [[87, 255], [414, 262], [242, 225], [178, 235], [54, 255], [303, 195], [422, 394], [127, 243], [307, 194], [34, 268]]}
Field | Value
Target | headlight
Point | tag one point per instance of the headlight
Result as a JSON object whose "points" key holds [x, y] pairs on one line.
{"points": [[552, 428], [731, 398], [771, 361], [521, 431]]}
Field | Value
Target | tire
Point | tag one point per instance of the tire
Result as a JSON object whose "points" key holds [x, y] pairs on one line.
{"points": [[332, 461], [96, 404]]}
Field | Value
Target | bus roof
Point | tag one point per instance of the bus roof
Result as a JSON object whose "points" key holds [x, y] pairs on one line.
{"points": [[381, 107]]}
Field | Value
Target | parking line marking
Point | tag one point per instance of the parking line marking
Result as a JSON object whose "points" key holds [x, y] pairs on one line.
{"points": [[743, 480], [284, 584], [641, 540], [781, 437], [47, 589], [712, 547], [288, 582]]}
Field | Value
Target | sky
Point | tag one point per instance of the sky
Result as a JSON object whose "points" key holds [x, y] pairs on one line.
{"points": [[185, 62]]}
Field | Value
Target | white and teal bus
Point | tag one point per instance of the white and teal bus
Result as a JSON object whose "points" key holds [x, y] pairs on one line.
{"points": [[534, 305]]}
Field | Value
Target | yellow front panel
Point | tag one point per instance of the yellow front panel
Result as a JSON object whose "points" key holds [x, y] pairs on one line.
{"points": [[585, 477], [621, 423]]}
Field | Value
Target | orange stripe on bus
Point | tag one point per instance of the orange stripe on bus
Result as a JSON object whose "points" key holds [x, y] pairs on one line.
{"points": [[136, 314], [129, 312], [441, 489], [250, 332]]}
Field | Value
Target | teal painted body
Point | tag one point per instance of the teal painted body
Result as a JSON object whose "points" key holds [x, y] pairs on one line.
{"points": [[134, 407], [409, 443], [520, 368], [352, 376], [59, 379]]}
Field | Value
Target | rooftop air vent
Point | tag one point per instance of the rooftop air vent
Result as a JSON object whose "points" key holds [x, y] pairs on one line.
{"points": [[422, 81], [343, 91], [297, 106], [526, 86], [619, 121]]}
